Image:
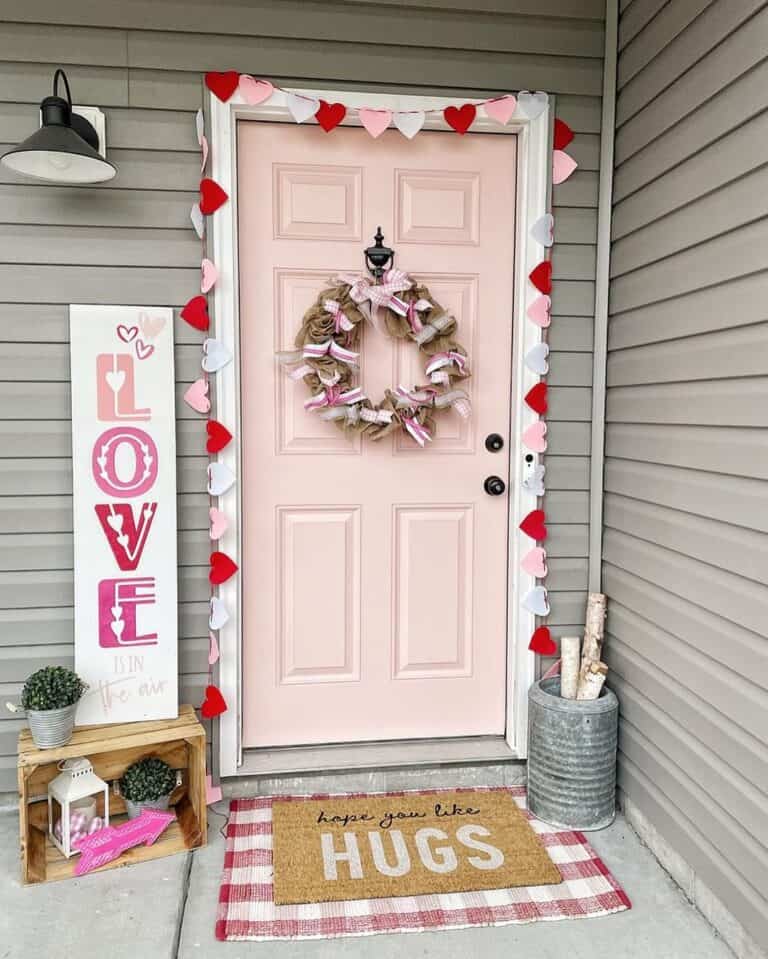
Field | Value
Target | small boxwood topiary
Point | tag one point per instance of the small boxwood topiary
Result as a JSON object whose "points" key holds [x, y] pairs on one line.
{"points": [[52, 687], [148, 779]]}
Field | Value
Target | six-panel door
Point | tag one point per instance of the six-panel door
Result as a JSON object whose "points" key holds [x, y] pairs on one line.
{"points": [[374, 575]]}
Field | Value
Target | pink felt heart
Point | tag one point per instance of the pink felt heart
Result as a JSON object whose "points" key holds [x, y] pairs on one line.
{"points": [[213, 649], [535, 436], [375, 121], [538, 311], [196, 396], [219, 523], [500, 109], [535, 562], [127, 333], [562, 166], [208, 275], [144, 350], [254, 91]]}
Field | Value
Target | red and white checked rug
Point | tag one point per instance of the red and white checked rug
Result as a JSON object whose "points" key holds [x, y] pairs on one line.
{"points": [[247, 909]]}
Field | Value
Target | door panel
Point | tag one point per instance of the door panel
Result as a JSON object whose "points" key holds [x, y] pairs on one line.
{"points": [[374, 575]]}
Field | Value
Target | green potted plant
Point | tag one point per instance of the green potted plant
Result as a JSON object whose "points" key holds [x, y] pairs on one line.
{"points": [[50, 697], [147, 784]]}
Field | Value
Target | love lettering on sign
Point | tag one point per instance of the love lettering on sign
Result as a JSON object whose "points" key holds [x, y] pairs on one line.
{"points": [[112, 841], [124, 505]]}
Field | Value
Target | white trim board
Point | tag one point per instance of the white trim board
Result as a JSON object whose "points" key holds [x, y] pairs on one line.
{"points": [[533, 173]]}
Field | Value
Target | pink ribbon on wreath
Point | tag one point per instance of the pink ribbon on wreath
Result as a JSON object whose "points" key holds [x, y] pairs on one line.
{"points": [[331, 348], [333, 396], [413, 398], [414, 308], [435, 367], [340, 321], [379, 294], [420, 433]]}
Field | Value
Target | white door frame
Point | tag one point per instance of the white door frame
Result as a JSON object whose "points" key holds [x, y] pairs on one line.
{"points": [[533, 172]]}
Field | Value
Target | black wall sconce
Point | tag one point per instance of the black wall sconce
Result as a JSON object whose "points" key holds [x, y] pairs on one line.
{"points": [[66, 147]]}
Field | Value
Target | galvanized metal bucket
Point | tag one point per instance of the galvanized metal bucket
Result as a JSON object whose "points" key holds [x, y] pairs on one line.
{"points": [[135, 809], [52, 727], [572, 757]]}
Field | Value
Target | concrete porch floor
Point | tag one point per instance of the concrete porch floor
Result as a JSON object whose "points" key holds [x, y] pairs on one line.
{"points": [[166, 909]]}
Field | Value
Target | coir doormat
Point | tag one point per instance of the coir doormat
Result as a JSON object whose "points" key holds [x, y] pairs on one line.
{"points": [[372, 847], [247, 907]]}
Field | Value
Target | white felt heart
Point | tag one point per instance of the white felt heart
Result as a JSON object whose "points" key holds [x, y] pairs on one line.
{"points": [[535, 562], [543, 230], [535, 437], [302, 108], [213, 650], [220, 478], [533, 478], [562, 166], [208, 275], [538, 311], [375, 121], [215, 355], [200, 125], [409, 123], [198, 221], [536, 359], [196, 396], [203, 152], [535, 601], [500, 109], [115, 380], [254, 91], [532, 104], [218, 616]]}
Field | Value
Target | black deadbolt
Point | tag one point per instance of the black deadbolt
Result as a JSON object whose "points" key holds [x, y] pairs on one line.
{"points": [[494, 485], [494, 442]]}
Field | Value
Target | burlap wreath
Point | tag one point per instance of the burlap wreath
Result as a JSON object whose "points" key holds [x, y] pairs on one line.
{"points": [[327, 350]]}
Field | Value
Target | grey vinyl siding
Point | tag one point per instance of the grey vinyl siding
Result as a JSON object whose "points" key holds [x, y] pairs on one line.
{"points": [[130, 242], [685, 546]]}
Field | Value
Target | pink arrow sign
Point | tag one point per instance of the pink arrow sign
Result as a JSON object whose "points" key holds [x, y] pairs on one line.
{"points": [[112, 841]]}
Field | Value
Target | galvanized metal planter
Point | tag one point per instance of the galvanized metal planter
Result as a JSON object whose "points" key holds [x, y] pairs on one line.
{"points": [[52, 727], [571, 757], [135, 809]]}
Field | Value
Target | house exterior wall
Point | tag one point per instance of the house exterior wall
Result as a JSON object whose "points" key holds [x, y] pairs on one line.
{"points": [[686, 525], [130, 242]]}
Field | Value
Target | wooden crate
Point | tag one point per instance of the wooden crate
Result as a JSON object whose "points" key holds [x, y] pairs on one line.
{"points": [[111, 749]]}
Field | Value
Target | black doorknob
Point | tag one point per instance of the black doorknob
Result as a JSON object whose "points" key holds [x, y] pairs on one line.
{"points": [[494, 442], [494, 485]]}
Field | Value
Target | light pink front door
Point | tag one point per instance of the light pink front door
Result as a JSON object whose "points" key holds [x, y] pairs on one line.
{"points": [[374, 575]]}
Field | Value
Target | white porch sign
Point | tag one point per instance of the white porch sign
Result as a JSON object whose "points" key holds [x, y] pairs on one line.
{"points": [[124, 485]]}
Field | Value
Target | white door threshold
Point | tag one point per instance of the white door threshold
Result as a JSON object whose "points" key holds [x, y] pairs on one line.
{"points": [[268, 761]]}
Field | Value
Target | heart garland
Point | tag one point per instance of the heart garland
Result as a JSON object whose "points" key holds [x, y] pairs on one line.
{"points": [[215, 356]]}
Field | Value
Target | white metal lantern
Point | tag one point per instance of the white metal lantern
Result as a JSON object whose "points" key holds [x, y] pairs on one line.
{"points": [[72, 805]]}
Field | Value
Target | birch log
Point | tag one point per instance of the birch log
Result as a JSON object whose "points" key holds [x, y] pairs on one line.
{"points": [[591, 681], [570, 647], [592, 648]]}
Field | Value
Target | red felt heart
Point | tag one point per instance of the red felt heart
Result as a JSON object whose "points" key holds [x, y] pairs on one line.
{"points": [[536, 398], [541, 276], [222, 567], [211, 196], [218, 436], [330, 115], [223, 85], [196, 313], [533, 524], [460, 118], [542, 642], [214, 703], [562, 134]]}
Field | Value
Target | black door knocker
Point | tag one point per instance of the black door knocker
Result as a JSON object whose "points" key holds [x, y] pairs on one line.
{"points": [[379, 258]]}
